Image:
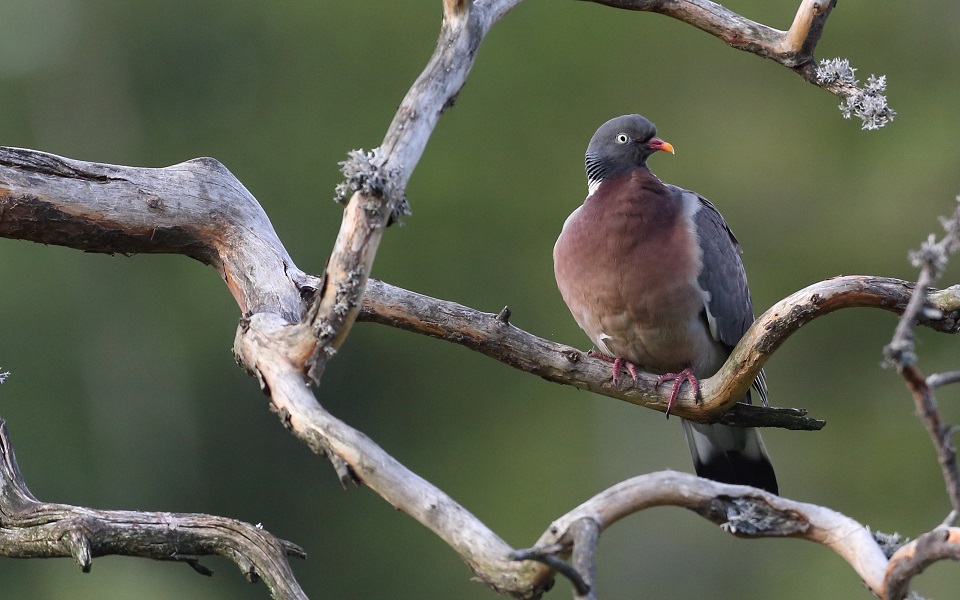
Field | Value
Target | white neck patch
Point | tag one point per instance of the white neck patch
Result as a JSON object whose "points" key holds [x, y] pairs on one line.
{"points": [[592, 185]]}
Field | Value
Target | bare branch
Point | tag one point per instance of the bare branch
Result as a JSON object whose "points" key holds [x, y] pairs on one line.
{"points": [[931, 258], [739, 510], [793, 48], [485, 333], [368, 212], [30, 528], [940, 379], [264, 346], [100, 212], [196, 208]]}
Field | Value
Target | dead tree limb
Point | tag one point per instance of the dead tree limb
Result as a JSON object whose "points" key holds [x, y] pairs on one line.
{"points": [[293, 322], [30, 528], [793, 48], [494, 336], [739, 510]]}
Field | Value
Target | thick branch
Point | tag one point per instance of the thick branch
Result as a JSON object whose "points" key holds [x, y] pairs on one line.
{"points": [[263, 345], [33, 529], [493, 336], [196, 208]]}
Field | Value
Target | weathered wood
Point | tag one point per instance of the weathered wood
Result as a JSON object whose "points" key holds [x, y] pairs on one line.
{"points": [[739, 510], [494, 337], [196, 208], [30, 528], [378, 179]]}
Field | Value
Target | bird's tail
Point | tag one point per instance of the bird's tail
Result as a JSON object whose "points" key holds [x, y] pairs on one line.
{"points": [[730, 454]]}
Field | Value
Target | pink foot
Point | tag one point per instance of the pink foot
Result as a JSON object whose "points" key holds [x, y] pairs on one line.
{"points": [[618, 364], [678, 379]]}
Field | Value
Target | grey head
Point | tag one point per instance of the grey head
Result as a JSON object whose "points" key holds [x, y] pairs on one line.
{"points": [[621, 145]]}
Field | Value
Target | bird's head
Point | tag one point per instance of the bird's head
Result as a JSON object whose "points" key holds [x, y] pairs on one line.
{"points": [[620, 145]]}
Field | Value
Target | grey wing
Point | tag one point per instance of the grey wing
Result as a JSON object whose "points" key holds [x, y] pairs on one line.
{"points": [[727, 306]]}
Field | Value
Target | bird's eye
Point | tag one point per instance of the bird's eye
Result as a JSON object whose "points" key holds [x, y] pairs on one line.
{"points": [[622, 138]]}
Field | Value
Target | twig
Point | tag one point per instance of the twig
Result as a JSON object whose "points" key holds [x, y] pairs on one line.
{"points": [[939, 432], [30, 528], [941, 379], [943, 542], [931, 258], [548, 558]]}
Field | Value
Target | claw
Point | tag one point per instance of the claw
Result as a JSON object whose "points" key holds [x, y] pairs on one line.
{"points": [[618, 364], [678, 379]]}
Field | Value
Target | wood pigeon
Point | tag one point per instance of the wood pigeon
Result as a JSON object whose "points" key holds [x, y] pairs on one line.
{"points": [[652, 274]]}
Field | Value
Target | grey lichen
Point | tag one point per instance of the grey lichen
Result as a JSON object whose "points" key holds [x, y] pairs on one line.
{"points": [[365, 172], [749, 517], [868, 103], [936, 253], [348, 292], [836, 69], [889, 542]]}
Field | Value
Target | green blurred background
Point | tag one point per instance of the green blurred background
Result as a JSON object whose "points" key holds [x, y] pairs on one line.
{"points": [[124, 393]]}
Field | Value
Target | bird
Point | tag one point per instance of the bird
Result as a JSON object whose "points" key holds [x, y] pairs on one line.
{"points": [[652, 274]]}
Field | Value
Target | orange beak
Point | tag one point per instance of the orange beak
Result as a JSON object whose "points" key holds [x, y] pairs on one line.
{"points": [[658, 144]]}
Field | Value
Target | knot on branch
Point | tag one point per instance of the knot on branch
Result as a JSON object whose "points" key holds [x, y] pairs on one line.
{"points": [[366, 173], [868, 103]]}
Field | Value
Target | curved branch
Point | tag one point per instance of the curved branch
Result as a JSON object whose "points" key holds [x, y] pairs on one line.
{"points": [[789, 48], [30, 528], [739, 510], [793, 48], [495, 337]]}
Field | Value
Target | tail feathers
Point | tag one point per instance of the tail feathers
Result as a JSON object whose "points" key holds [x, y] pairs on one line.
{"points": [[730, 455]]}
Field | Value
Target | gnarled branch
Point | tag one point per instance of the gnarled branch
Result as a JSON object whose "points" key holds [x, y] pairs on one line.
{"points": [[793, 48], [30, 528]]}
